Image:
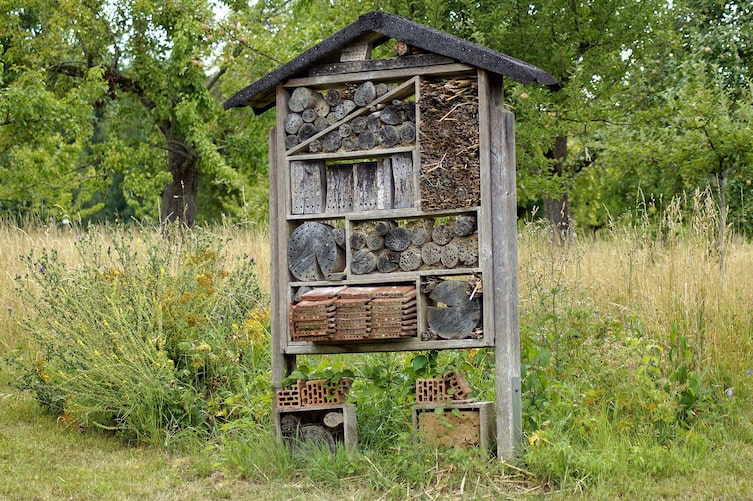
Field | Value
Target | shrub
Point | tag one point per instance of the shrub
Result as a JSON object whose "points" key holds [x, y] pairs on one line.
{"points": [[152, 338]]}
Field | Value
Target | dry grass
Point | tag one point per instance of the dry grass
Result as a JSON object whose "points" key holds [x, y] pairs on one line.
{"points": [[18, 241], [658, 278]]}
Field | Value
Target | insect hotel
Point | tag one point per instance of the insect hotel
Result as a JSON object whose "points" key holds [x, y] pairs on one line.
{"points": [[393, 213]]}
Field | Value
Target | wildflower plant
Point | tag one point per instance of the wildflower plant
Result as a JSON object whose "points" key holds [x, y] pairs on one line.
{"points": [[149, 337]]}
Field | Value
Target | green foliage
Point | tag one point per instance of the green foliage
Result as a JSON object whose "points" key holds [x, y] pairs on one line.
{"points": [[149, 338], [97, 92], [323, 370], [601, 389]]}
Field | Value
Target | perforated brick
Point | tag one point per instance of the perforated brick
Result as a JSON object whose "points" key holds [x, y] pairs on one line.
{"points": [[288, 397], [457, 386], [322, 392], [430, 391]]}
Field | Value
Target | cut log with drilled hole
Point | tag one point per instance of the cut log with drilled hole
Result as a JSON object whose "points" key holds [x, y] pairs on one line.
{"points": [[464, 225], [389, 136], [442, 234], [307, 186], [345, 130], [409, 110], [365, 191], [322, 108], [339, 188], [289, 424], [397, 239], [333, 419], [419, 235], [314, 437], [460, 316], [339, 235], [401, 48], [467, 250], [331, 142], [307, 131], [359, 124], [366, 140], [404, 180], [431, 253], [363, 262], [304, 98], [388, 261], [373, 123], [344, 108], [382, 227], [374, 241], [291, 141], [315, 146], [410, 260], [382, 89], [333, 97], [392, 114], [293, 122], [408, 132], [321, 123], [364, 94], [309, 115], [449, 256], [312, 252], [357, 240], [385, 192], [350, 144]]}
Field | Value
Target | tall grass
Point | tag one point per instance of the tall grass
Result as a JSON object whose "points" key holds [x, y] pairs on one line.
{"points": [[635, 345]]}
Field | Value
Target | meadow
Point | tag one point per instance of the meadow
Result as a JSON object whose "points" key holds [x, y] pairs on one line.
{"points": [[137, 367]]}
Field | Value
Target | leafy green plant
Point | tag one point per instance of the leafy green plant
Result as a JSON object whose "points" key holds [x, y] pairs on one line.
{"points": [[149, 338], [323, 370]]}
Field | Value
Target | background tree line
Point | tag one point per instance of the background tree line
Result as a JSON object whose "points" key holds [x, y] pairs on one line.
{"points": [[113, 108]]}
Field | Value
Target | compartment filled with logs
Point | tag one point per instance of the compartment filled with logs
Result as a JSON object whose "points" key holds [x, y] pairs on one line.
{"points": [[361, 117], [316, 251], [453, 307], [327, 426], [387, 246]]}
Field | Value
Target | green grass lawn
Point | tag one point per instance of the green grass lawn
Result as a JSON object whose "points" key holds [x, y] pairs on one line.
{"points": [[41, 459]]}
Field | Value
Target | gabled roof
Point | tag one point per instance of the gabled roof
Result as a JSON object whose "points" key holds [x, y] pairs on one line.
{"points": [[379, 27]]}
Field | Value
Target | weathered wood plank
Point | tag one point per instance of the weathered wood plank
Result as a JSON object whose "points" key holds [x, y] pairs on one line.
{"points": [[339, 188], [393, 63], [383, 75], [307, 186], [404, 181], [505, 272], [364, 186], [384, 184]]}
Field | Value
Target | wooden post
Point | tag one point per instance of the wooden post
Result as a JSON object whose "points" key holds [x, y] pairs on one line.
{"points": [[279, 202], [505, 274]]}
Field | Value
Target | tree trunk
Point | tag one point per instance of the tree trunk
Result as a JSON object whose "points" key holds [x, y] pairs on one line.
{"points": [[179, 195], [557, 210]]}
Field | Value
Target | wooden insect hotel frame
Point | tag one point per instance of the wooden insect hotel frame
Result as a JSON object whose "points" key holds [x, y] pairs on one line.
{"points": [[392, 200]]}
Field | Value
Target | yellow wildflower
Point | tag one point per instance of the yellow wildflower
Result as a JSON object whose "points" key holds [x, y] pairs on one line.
{"points": [[534, 439]]}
